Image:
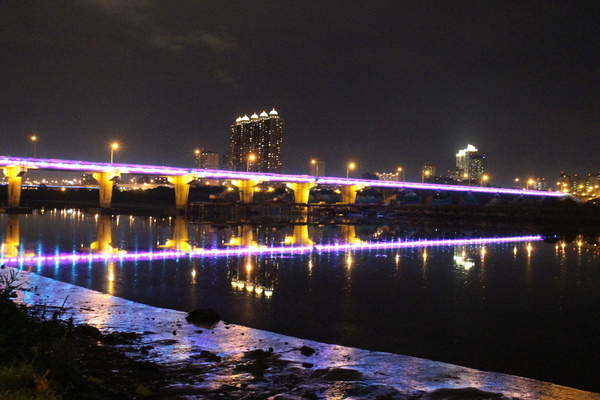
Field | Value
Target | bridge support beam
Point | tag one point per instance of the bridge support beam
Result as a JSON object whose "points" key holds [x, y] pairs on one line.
{"points": [[301, 237], [10, 248], [181, 239], [103, 243], [106, 181], [348, 234], [246, 188], [182, 189], [301, 191], [14, 176], [349, 193]]}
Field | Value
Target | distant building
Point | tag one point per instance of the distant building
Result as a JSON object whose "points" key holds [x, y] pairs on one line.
{"points": [[207, 159], [427, 172], [471, 163], [255, 143], [388, 176], [317, 167]]}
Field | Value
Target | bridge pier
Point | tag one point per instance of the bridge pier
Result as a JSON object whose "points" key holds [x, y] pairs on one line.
{"points": [[14, 175], [103, 243], [181, 184], [301, 237], [301, 191], [181, 239], [106, 181], [349, 193], [246, 188]]}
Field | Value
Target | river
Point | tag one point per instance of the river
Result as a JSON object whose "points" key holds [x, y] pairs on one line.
{"points": [[504, 300]]}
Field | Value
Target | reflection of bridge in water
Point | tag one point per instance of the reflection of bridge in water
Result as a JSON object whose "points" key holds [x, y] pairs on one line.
{"points": [[106, 174], [252, 253]]}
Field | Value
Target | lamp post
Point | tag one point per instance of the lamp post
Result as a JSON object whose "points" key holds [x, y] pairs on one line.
{"points": [[350, 166], [315, 162], [401, 173], [113, 147], [197, 159], [530, 182], [484, 179], [251, 158], [34, 140]]}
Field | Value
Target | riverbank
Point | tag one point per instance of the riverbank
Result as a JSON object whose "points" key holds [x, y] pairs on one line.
{"points": [[184, 361]]}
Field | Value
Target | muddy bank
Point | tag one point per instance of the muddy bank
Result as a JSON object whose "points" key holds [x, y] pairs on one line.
{"points": [[185, 361]]}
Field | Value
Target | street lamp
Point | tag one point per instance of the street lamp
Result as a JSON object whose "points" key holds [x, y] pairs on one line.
{"points": [[34, 140], [197, 159], [113, 147], [530, 182], [315, 162], [484, 179], [401, 173], [350, 166], [251, 158]]}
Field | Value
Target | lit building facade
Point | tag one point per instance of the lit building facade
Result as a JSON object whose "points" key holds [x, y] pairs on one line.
{"points": [[388, 176], [207, 159], [471, 163], [427, 172], [256, 143]]}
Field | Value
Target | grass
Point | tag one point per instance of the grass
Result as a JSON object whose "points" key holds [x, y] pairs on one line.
{"points": [[34, 355]]}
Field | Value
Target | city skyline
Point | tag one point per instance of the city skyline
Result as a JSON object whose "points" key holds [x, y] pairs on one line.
{"points": [[383, 85]]}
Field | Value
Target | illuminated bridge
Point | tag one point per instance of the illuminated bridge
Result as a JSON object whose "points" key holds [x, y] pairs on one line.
{"points": [[14, 169]]}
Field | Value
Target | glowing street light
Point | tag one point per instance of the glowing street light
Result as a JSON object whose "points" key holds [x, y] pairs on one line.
{"points": [[529, 183], [113, 147], [315, 162], [350, 166], [484, 179], [34, 140], [250, 159], [197, 159], [401, 173]]}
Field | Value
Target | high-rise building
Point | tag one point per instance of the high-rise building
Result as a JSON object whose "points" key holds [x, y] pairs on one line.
{"points": [[206, 159], [427, 173], [256, 143], [471, 163]]}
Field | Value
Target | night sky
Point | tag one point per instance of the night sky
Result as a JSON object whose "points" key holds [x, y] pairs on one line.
{"points": [[380, 83]]}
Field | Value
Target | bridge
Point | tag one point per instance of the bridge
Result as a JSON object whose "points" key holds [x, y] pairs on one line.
{"points": [[15, 168]]}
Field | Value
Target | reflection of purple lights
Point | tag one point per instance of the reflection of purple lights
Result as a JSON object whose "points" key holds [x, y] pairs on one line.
{"points": [[69, 165], [66, 258]]}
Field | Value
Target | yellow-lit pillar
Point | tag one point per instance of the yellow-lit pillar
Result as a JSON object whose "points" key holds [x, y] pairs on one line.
{"points": [[10, 248], [105, 180], [103, 243], [181, 184], [301, 191], [180, 240], [301, 237], [14, 176], [349, 193], [246, 189], [348, 234]]}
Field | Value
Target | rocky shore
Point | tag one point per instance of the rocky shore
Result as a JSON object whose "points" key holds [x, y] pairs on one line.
{"points": [[132, 351]]}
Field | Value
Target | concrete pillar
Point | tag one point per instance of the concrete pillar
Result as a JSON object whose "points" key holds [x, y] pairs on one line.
{"points": [[301, 191], [348, 235], [103, 243], [10, 248], [301, 237], [182, 189], [180, 240], [105, 180], [349, 193], [14, 176], [246, 189]]}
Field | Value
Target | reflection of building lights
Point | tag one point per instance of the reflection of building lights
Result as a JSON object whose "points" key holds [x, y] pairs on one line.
{"points": [[349, 260], [248, 267], [193, 273], [268, 292], [249, 287], [259, 290], [424, 254], [515, 250]]}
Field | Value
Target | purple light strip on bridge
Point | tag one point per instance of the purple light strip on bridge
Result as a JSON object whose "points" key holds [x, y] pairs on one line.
{"points": [[71, 258], [86, 166]]}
